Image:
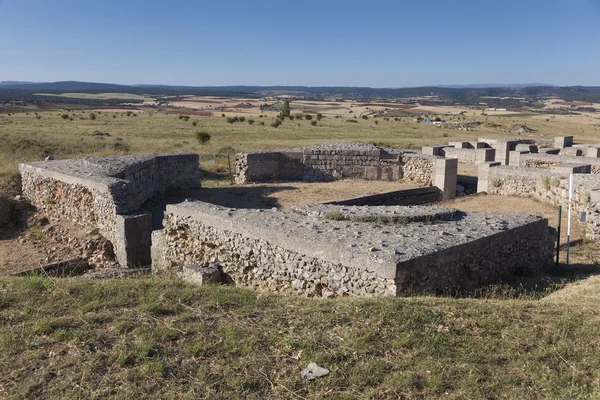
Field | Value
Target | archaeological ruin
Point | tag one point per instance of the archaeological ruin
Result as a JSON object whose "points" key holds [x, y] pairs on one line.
{"points": [[386, 244]]}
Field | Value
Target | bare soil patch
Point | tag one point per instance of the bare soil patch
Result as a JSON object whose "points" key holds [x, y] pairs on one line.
{"points": [[401, 106], [188, 112]]}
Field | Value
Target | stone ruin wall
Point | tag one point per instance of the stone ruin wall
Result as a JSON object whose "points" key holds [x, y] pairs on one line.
{"points": [[86, 206], [545, 161], [328, 162], [480, 262], [252, 260], [120, 186], [258, 264], [549, 187]]}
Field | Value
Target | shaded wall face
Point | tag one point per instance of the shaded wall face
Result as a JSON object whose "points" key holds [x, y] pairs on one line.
{"points": [[324, 165]]}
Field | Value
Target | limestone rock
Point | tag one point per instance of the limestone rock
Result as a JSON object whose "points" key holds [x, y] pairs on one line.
{"points": [[313, 371], [201, 274]]}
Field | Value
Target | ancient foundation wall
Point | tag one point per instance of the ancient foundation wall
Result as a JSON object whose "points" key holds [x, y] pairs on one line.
{"points": [[332, 161], [93, 191], [540, 160], [548, 186], [292, 253]]}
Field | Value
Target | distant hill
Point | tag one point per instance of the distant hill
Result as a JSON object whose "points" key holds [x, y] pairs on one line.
{"points": [[12, 83], [496, 85], [463, 94]]}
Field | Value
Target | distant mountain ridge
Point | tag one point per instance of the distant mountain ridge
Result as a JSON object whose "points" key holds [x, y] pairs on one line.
{"points": [[78, 85], [458, 94]]}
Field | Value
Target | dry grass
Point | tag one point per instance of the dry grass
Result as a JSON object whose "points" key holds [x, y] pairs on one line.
{"points": [[26, 138], [149, 338]]}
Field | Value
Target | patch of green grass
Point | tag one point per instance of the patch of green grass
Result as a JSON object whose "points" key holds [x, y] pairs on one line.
{"points": [[152, 338]]}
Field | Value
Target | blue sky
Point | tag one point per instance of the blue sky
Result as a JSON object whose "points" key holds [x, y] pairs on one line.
{"points": [[315, 43]]}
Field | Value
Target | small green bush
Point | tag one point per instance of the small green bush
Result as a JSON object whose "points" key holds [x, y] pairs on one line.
{"points": [[202, 137]]}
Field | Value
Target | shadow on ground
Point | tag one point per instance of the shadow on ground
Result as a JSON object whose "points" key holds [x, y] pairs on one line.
{"points": [[228, 196]]}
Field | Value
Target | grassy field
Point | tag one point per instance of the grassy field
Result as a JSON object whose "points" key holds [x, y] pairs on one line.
{"points": [[30, 136], [130, 339]]}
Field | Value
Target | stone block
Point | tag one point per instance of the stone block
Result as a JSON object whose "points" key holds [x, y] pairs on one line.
{"points": [[529, 148], [156, 251], [460, 145], [373, 172], [200, 274], [503, 149], [571, 151], [133, 239], [563, 141], [514, 157], [478, 145], [445, 177], [549, 150], [390, 173], [593, 152], [483, 173], [484, 155], [446, 166], [432, 150], [572, 168]]}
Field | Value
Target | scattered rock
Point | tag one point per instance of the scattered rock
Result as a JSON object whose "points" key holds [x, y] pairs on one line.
{"points": [[201, 274], [313, 371]]}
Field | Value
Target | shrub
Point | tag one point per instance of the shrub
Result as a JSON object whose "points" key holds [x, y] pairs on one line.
{"points": [[376, 122], [195, 123], [313, 123], [129, 113], [285, 111], [319, 116], [241, 119], [308, 117], [92, 116], [223, 115], [250, 121], [276, 123], [365, 117], [334, 216], [65, 116], [262, 123], [202, 137]]}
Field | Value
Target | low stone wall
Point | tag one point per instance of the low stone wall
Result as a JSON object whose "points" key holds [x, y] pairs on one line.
{"points": [[93, 191], [290, 253], [463, 155], [539, 160], [547, 186], [330, 161]]}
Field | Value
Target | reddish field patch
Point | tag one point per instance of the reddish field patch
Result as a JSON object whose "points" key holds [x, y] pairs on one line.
{"points": [[200, 113], [203, 101], [117, 108], [401, 106]]}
